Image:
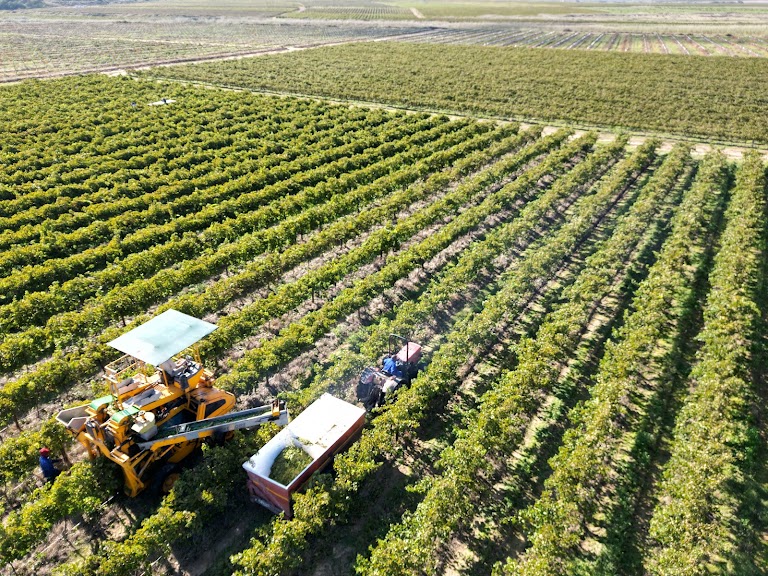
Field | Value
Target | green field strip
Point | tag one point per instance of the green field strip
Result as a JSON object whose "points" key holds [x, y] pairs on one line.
{"points": [[32, 51], [590, 470], [190, 127], [758, 488], [698, 525], [721, 97], [80, 180], [281, 195], [64, 155], [26, 118], [38, 224]]}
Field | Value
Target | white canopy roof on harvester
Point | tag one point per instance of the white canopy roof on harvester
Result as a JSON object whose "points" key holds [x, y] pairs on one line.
{"points": [[165, 335]]}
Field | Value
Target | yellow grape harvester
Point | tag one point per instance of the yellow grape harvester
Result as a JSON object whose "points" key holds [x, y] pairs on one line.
{"points": [[162, 404]]}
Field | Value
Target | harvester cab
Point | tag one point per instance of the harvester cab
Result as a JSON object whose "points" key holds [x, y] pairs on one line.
{"points": [[397, 370], [162, 404]]}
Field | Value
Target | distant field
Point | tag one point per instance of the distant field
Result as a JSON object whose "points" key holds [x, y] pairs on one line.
{"points": [[70, 38], [372, 12], [700, 97], [646, 42], [189, 8], [33, 49], [438, 10], [447, 9], [714, 8]]}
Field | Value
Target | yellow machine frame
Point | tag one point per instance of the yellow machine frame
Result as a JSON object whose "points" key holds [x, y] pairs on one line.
{"points": [[144, 398], [162, 404], [108, 423]]}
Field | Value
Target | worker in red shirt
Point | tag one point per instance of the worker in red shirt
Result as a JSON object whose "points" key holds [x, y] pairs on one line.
{"points": [[48, 465]]}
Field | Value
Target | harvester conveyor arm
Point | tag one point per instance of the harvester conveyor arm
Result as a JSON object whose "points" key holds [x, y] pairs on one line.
{"points": [[210, 426]]}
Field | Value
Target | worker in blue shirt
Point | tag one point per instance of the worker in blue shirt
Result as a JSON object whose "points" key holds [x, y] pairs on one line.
{"points": [[391, 367], [47, 465]]}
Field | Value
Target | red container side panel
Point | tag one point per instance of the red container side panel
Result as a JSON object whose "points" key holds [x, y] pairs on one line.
{"points": [[272, 495], [277, 497]]}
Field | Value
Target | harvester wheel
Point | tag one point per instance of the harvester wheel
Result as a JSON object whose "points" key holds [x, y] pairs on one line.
{"points": [[169, 481], [219, 438], [165, 479]]}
